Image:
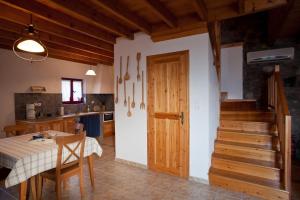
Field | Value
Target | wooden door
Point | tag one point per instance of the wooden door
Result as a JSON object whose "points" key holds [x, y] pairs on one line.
{"points": [[168, 113]]}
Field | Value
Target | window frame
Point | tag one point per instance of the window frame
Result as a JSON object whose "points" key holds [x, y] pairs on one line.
{"points": [[72, 91]]}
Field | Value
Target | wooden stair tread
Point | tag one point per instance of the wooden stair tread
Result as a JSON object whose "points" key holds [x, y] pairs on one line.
{"points": [[254, 146], [239, 100], [247, 111], [245, 132], [246, 178], [245, 160], [244, 121]]}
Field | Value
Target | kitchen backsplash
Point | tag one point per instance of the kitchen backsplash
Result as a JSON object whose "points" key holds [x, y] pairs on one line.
{"points": [[51, 102]]}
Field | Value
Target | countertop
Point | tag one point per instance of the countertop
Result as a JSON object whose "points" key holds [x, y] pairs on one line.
{"points": [[57, 118]]}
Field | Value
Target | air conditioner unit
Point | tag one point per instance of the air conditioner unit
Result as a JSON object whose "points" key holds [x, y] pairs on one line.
{"points": [[272, 55]]}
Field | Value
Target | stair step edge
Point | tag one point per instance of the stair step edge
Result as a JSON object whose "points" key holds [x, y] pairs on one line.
{"points": [[247, 163], [247, 178], [245, 145], [246, 133], [245, 160]]}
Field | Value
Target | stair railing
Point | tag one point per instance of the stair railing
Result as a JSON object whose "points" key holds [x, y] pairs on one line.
{"points": [[278, 102]]}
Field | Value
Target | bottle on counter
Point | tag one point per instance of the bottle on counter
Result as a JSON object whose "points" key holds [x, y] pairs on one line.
{"points": [[62, 111]]}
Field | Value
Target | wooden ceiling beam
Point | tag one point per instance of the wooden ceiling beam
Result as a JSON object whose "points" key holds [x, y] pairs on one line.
{"points": [[89, 15], [200, 9], [56, 49], [214, 30], [61, 19], [161, 11], [122, 13], [250, 6], [14, 15], [7, 46], [17, 28], [186, 26], [241, 6]]}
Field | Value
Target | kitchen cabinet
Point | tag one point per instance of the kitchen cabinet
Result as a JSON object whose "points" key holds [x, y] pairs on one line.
{"points": [[108, 128], [69, 125], [51, 124]]}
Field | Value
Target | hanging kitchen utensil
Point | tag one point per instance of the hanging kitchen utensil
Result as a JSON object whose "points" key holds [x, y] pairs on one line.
{"points": [[125, 101], [138, 58], [117, 91], [129, 112], [133, 103], [142, 105], [120, 79], [126, 76]]}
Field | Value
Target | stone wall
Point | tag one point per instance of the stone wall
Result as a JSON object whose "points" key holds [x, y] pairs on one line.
{"points": [[252, 30]]}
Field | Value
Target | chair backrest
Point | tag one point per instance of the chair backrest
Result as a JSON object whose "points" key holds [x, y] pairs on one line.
{"points": [[20, 129], [70, 152]]}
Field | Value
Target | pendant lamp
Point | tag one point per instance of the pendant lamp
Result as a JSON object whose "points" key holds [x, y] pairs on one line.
{"points": [[90, 72], [29, 47]]}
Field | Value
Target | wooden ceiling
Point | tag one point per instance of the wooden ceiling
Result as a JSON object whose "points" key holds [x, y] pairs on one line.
{"points": [[85, 31]]}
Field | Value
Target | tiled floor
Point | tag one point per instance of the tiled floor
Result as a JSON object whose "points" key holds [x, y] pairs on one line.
{"points": [[114, 181]]}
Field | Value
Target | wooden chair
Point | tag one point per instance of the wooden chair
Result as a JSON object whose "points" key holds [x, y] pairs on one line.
{"points": [[65, 167], [20, 129]]}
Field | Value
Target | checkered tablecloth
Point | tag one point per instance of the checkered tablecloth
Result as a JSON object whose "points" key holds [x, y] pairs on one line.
{"points": [[28, 158]]}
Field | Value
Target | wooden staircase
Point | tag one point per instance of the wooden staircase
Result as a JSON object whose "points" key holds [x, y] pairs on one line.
{"points": [[244, 159]]}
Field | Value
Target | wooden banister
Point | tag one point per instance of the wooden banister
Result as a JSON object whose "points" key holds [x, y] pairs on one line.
{"points": [[277, 101]]}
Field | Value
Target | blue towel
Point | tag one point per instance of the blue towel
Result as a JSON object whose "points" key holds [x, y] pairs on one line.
{"points": [[91, 125]]}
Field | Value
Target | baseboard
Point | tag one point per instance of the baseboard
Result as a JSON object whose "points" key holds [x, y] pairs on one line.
{"points": [[134, 164], [198, 180]]}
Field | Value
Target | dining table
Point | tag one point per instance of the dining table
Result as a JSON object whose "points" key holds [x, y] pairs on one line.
{"points": [[27, 158]]}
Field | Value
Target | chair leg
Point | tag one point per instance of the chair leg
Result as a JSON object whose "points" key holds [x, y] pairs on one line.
{"points": [[91, 170], [58, 190], [81, 183], [39, 187], [33, 187]]}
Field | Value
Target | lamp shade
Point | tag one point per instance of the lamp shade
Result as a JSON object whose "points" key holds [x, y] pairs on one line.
{"points": [[30, 45], [90, 72]]}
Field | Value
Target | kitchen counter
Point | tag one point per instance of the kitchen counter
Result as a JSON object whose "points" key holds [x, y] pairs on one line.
{"points": [[57, 118]]}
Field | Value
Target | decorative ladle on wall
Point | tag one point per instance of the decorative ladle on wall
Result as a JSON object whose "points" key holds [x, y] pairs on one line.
{"points": [[129, 112], [120, 79], [125, 101], [138, 58], [126, 76], [117, 91], [132, 103], [142, 105]]}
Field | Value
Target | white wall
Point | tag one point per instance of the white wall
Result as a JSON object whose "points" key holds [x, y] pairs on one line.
{"points": [[17, 75], [131, 133], [232, 71]]}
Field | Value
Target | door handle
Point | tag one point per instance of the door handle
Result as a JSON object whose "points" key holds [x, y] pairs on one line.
{"points": [[182, 118]]}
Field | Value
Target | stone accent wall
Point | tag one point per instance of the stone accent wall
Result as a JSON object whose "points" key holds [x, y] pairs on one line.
{"points": [[252, 30], [51, 103]]}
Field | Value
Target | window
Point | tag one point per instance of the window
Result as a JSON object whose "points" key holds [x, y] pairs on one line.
{"points": [[71, 90]]}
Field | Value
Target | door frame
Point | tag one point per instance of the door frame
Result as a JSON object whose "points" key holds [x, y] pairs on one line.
{"points": [[185, 147]]}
